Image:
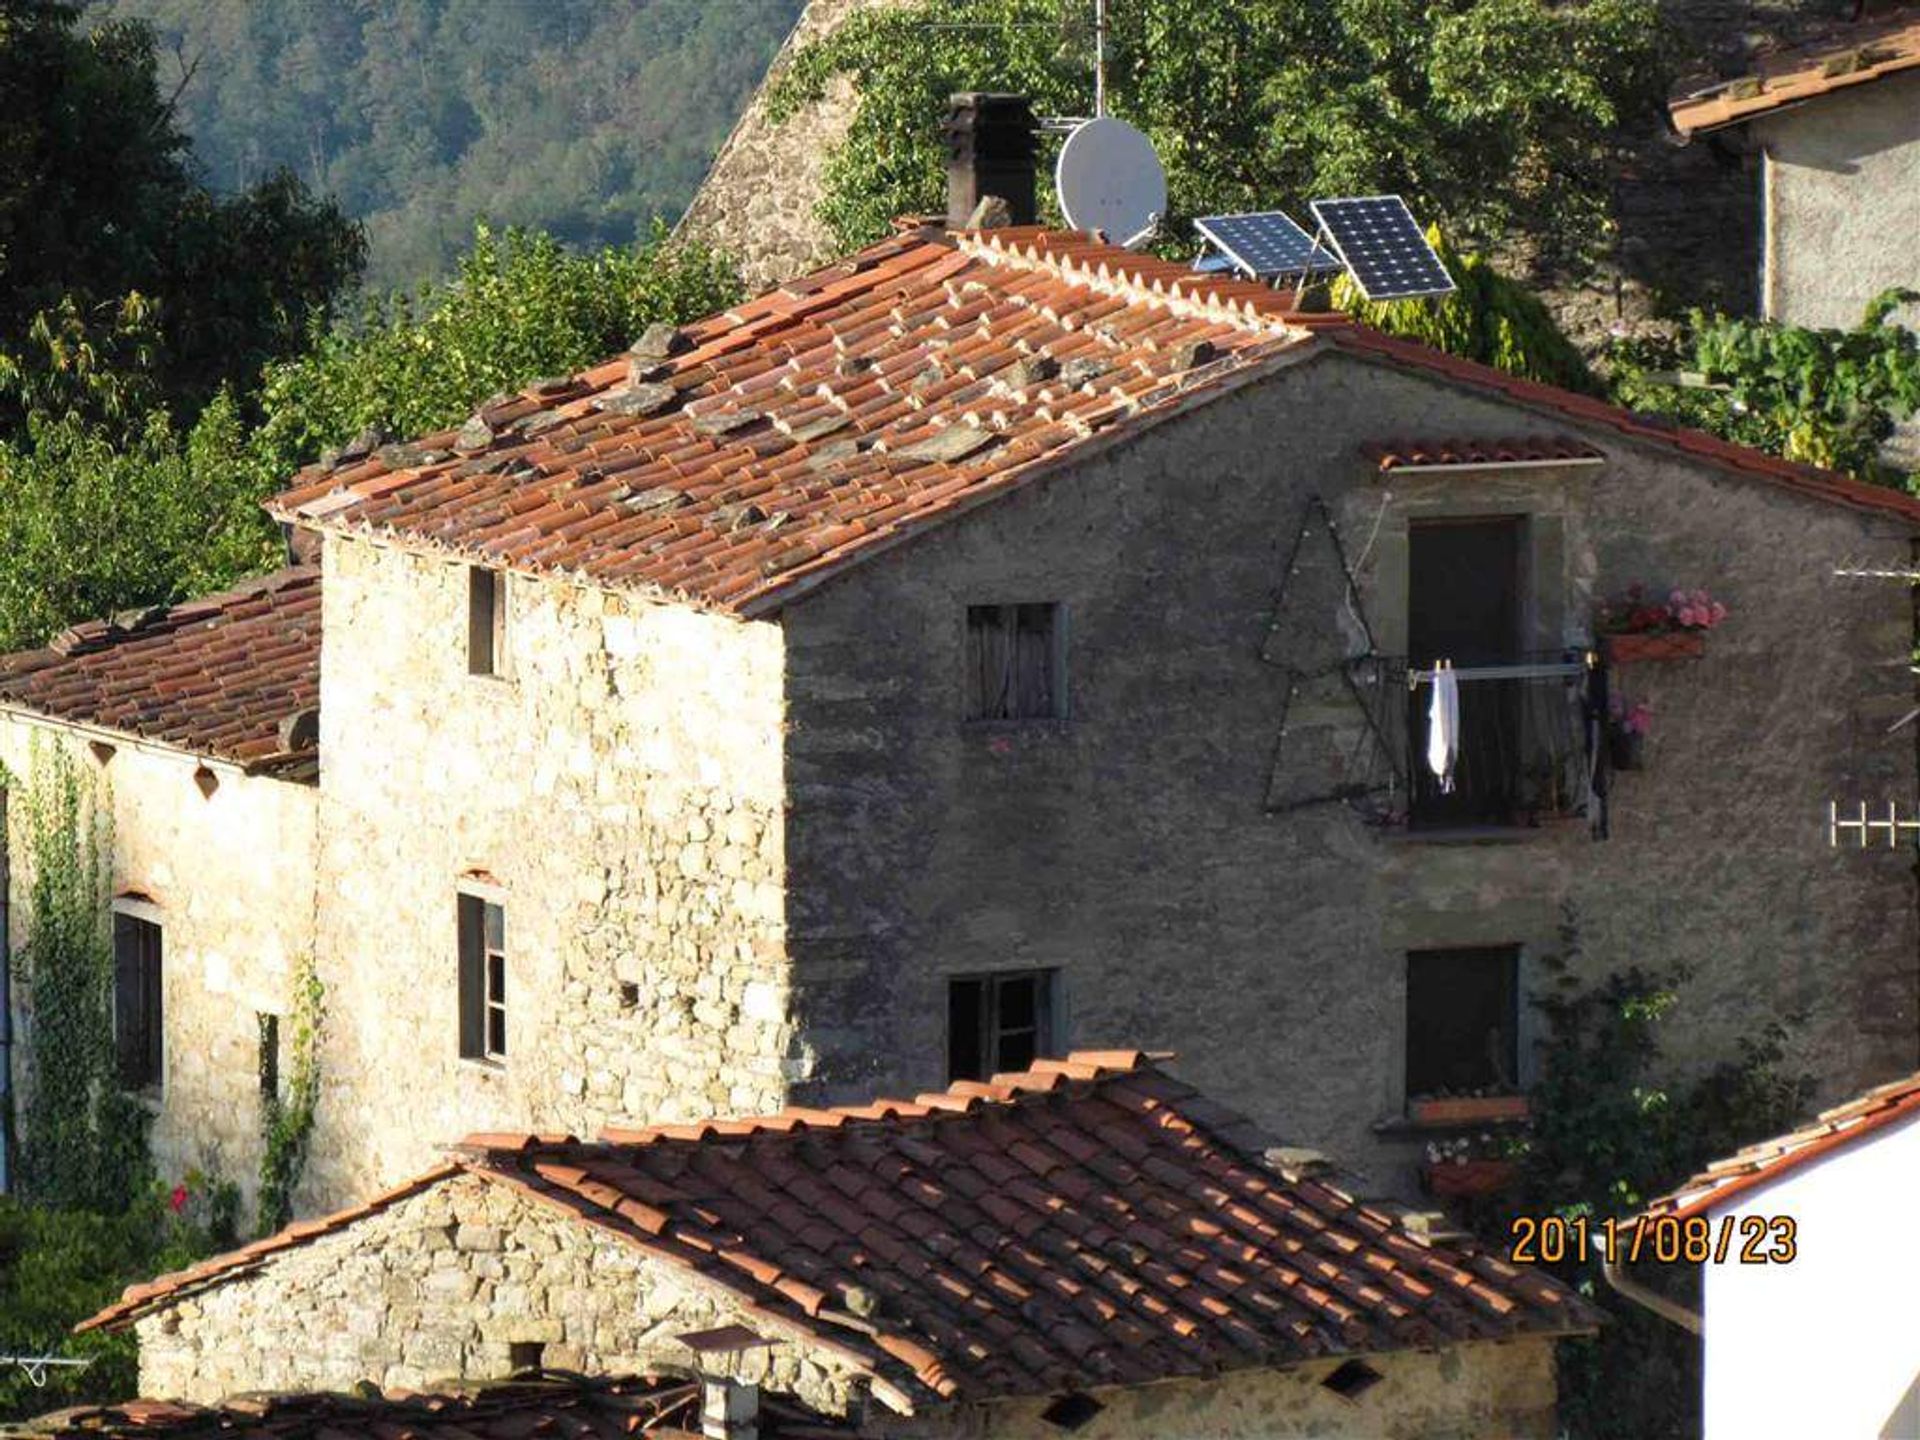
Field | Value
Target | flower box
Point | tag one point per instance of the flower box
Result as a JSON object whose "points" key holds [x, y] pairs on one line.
{"points": [[1466, 1109], [1656, 645], [1462, 1178]]}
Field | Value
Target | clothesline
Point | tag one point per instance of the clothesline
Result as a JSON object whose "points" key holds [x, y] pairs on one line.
{"points": [[1540, 671]]}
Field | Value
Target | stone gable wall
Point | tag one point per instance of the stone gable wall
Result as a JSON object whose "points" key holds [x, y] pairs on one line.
{"points": [[458, 1281], [622, 792], [230, 877], [444, 1286], [1131, 848]]}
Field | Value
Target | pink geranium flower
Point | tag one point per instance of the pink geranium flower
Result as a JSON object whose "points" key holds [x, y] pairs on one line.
{"points": [[177, 1201]]}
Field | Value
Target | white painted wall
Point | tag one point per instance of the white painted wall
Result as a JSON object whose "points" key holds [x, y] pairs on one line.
{"points": [[1829, 1345]]}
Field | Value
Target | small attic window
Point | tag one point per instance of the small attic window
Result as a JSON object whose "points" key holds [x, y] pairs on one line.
{"points": [[1015, 662], [1352, 1379], [486, 622]]}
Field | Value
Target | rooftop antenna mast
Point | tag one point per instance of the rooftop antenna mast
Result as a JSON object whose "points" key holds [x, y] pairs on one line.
{"points": [[1099, 59]]}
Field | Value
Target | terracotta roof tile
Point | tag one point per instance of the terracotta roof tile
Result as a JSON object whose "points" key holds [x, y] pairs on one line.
{"points": [[216, 676], [1086, 1222], [1850, 55], [614, 1408], [1768, 1160], [1463, 454]]}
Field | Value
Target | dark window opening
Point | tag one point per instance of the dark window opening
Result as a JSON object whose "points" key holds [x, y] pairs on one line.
{"points": [[269, 1056], [525, 1356], [1463, 606], [1071, 1412], [486, 622], [136, 1001], [1463, 1021], [1352, 1379], [483, 979], [1000, 1022], [1014, 662]]}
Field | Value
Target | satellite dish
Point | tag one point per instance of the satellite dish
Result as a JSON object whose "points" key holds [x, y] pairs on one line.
{"points": [[1110, 180]]}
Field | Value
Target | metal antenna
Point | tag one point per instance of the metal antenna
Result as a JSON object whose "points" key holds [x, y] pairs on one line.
{"points": [[1099, 58]]}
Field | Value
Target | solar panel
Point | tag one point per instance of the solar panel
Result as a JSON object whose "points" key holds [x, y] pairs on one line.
{"points": [[1266, 244], [1383, 248]]}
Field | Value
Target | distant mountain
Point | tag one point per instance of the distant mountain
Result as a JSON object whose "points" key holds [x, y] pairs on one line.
{"points": [[582, 117]]}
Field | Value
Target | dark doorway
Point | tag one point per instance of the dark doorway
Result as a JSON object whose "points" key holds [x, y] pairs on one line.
{"points": [[1463, 606]]}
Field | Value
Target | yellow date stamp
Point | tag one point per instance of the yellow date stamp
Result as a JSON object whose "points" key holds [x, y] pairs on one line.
{"points": [[1661, 1239]]}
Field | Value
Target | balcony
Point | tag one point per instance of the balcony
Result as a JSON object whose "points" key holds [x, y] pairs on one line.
{"points": [[1528, 733]]}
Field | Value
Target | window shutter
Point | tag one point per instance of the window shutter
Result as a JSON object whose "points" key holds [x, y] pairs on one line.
{"points": [[150, 992], [128, 1011], [472, 977]]}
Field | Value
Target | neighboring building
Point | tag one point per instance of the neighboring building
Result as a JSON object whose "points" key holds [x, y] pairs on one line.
{"points": [[1000, 642], [1825, 1210], [1833, 126], [1088, 1245], [662, 1408], [195, 727]]}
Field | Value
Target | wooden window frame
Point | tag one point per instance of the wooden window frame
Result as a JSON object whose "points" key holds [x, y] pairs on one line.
{"points": [[482, 925], [1013, 704], [991, 1033], [137, 923]]}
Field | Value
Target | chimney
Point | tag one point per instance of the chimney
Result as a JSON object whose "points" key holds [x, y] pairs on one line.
{"points": [[729, 1406], [990, 146]]}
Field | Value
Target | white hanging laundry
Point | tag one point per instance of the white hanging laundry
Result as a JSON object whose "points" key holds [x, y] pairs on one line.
{"points": [[1443, 727]]}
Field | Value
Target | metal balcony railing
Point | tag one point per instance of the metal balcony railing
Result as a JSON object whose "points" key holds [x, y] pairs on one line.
{"points": [[1525, 748]]}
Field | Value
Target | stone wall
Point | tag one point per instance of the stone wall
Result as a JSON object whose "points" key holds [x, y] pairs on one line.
{"points": [[621, 793], [1131, 847], [465, 1280], [230, 878], [757, 202], [470, 1279]]}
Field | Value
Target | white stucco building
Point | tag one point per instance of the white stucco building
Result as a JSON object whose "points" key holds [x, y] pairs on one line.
{"points": [[1811, 1313]]}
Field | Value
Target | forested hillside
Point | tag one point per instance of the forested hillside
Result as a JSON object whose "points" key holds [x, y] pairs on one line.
{"points": [[586, 120]]}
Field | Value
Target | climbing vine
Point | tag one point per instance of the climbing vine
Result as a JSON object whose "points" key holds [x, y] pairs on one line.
{"points": [[286, 1121], [83, 1141]]}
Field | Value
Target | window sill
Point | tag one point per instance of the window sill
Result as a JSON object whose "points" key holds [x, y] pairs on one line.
{"points": [[483, 1064], [492, 684], [1545, 829], [1497, 1112], [151, 1098]]}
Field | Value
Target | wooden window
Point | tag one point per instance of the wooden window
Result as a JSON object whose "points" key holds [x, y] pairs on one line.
{"points": [[1463, 1020], [483, 979], [1015, 662], [486, 622], [136, 1001], [269, 1055], [1000, 1022]]}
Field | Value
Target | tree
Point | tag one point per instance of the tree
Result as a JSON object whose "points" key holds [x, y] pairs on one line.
{"points": [[1491, 116], [1822, 397], [99, 213]]}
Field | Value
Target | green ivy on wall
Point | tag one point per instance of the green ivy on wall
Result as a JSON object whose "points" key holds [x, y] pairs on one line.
{"points": [[286, 1121], [83, 1142]]}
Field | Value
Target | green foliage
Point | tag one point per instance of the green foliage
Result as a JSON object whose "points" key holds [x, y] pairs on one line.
{"points": [[422, 116], [59, 1266], [1610, 1130], [83, 1142], [1823, 397], [520, 306], [97, 519], [1489, 115], [99, 212], [1490, 318], [286, 1122]]}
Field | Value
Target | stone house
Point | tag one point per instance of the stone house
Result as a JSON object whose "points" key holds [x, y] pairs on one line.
{"points": [[1087, 1245], [999, 642], [1830, 129], [1824, 1211]]}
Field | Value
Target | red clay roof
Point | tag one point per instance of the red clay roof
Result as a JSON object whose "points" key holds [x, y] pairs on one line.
{"points": [[734, 463], [566, 1407], [1855, 54], [1089, 1222], [214, 676], [1767, 1161], [1480, 454]]}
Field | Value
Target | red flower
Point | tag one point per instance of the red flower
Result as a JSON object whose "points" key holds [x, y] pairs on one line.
{"points": [[177, 1201]]}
